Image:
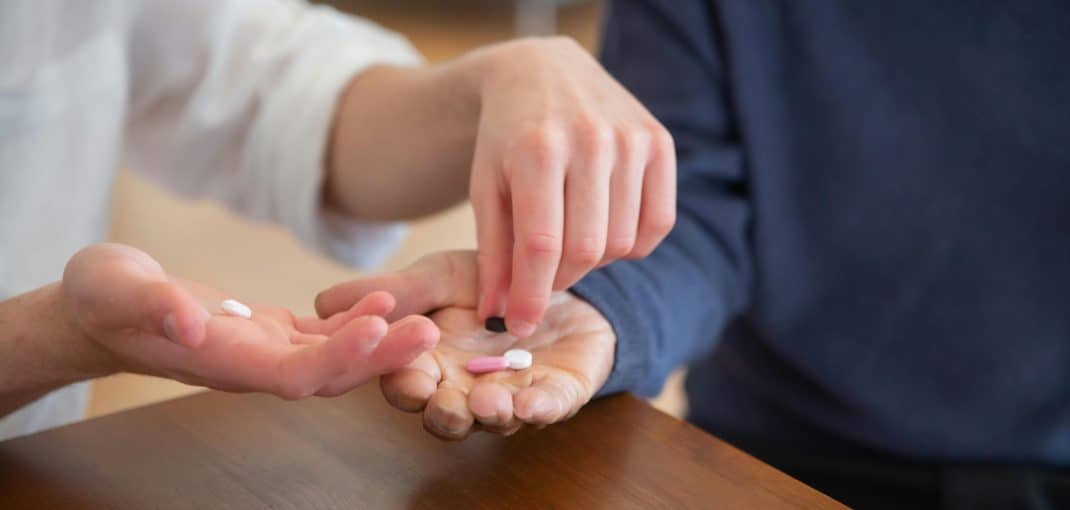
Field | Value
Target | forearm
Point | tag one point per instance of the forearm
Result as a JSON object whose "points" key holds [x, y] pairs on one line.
{"points": [[41, 349], [403, 139]]}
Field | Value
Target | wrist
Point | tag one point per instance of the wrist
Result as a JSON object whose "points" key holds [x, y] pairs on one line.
{"points": [[487, 68], [41, 349], [503, 65], [433, 110], [64, 345]]}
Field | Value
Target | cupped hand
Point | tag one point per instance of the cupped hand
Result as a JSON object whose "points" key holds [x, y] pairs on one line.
{"points": [[572, 348], [570, 172], [142, 320]]}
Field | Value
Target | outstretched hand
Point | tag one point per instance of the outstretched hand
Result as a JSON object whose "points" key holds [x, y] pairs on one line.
{"points": [[572, 348], [142, 320]]}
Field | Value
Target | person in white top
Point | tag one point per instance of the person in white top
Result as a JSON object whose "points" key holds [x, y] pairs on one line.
{"points": [[302, 116]]}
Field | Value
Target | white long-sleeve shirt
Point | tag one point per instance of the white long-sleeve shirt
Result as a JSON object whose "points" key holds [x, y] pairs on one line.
{"points": [[226, 99]]}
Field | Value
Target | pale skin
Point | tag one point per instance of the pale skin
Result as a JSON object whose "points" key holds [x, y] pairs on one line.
{"points": [[566, 172], [116, 310], [573, 350]]}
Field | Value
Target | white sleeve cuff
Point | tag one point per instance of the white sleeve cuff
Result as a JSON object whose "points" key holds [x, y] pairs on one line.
{"points": [[290, 137]]}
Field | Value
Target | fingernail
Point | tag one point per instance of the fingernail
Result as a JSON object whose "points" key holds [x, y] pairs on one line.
{"points": [[542, 407], [539, 407], [521, 328], [371, 343], [170, 328]]}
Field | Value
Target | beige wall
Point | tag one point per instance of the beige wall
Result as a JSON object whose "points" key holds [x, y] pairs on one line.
{"points": [[201, 241]]}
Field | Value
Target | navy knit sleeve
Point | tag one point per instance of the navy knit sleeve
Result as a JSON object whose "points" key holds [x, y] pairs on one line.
{"points": [[669, 308]]}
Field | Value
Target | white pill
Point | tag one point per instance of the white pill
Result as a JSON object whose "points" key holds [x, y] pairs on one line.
{"points": [[236, 308], [518, 359]]}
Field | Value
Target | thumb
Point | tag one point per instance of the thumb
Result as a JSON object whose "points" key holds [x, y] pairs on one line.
{"points": [[165, 308], [115, 287], [435, 281]]}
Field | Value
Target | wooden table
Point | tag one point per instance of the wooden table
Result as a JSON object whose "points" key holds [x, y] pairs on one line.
{"points": [[215, 450]]}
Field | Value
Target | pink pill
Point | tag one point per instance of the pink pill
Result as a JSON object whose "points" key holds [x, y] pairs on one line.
{"points": [[487, 364]]}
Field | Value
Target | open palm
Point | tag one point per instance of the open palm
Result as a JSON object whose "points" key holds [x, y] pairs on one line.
{"points": [[572, 349], [143, 320]]}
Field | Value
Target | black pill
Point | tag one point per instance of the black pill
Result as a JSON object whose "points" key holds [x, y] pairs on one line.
{"points": [[495, 324]]}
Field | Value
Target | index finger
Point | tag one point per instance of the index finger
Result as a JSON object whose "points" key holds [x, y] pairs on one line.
{"points": [[537, 189]]}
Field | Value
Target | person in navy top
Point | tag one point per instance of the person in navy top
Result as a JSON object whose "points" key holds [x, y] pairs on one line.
{"points": [[871, 259], [869, 274]]}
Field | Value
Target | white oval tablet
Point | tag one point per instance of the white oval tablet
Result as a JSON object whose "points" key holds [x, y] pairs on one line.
{"points": [[518, 359], [236, 308]]}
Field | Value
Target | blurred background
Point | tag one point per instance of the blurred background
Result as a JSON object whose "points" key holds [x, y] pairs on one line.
{"points": [[261, 263]]}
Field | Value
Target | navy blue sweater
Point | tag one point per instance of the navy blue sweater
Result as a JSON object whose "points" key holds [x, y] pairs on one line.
{"points": [[872, 251]]}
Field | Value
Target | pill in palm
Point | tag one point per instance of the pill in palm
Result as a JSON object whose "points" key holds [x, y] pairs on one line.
{"points": [[236, 308], [486, 364], [518, 359], [495, 325]]}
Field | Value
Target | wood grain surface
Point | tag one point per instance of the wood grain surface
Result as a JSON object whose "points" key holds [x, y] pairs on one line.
{"points": [[216, 450]]}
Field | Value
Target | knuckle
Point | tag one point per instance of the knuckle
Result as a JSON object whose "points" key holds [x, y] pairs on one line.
{"points": [[619, 246], [632, 138], [540, 147], [587, 251], [542, 245], [662, 138], [593, 134], [661, 223]]}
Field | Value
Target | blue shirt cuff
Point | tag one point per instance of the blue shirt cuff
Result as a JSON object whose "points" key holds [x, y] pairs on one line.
{"points": [[603, 291]]}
